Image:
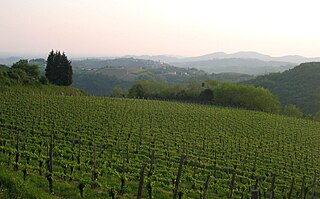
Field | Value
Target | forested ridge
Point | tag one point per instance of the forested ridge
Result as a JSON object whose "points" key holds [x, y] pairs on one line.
{"points": [[299, 86]]}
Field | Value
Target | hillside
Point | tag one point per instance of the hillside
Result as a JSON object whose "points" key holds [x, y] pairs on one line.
{"points": [[232, 77], [43, 89], [99, 77], [99, 146], [299, 86], [101, 81], [118, 62]]}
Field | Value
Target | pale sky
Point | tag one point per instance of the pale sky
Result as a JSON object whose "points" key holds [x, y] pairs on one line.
{"points": [[153, 27]]}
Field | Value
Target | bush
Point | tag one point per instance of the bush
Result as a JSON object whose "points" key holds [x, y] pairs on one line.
{"points": [[44, 80], [248, 97], [225, 94], [293, 111]]}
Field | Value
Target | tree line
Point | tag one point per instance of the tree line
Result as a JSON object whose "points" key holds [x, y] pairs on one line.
{"points": [[210, 91], [21, 73], [58, 72], [216, 93]]}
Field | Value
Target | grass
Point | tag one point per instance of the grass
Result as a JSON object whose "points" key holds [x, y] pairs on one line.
{"points": [[12, 185]]}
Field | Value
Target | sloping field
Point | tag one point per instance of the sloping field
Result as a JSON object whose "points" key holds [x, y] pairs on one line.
{"points": [[102, 143]]}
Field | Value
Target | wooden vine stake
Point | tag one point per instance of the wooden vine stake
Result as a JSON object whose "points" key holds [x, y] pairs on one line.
{"points": [[141, 180], [303, 184], [152, 161], [255, 192], [176, 188], [232, 184], [314, 185], [291, 188], [16, 168], [49, 176], [206, 187], [94, 173], [273, 186]]}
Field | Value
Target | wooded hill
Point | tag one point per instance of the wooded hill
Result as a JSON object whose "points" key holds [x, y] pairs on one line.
{"points": [[99, 77], [299, 86]]}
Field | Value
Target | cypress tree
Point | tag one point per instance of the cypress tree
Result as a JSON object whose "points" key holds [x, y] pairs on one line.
{"points": [[67, 71], [59, 69], [50, 67]]}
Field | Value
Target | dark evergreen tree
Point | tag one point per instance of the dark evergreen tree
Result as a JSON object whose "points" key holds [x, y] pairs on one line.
{"points": [[50, 67], [67, 70], [59, 69], [206, 95]]}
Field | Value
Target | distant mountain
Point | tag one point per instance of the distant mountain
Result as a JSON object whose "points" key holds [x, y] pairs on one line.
{"points": [[299, 86], [248, 62], [296, 59], [237, 65], [222, 55]]}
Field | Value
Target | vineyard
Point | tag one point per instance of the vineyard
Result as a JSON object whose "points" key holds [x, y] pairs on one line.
{"points": [[129, 148]]}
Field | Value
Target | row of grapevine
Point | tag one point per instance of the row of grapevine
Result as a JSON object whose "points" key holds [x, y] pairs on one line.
{"points": [[177, 149]]}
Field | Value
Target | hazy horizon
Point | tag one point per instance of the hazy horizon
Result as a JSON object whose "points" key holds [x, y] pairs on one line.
{"points": [[85, 56], [98, 28]]}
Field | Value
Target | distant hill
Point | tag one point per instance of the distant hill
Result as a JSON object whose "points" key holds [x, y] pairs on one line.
{"points": [[99, 77], [222, 55], [9, 60], [118, 62], [253, 55], [296, 59], [161, 58], [299, 86], [237, 65], [39, 61], [249, 62], [4, 67], [232, 77]]}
